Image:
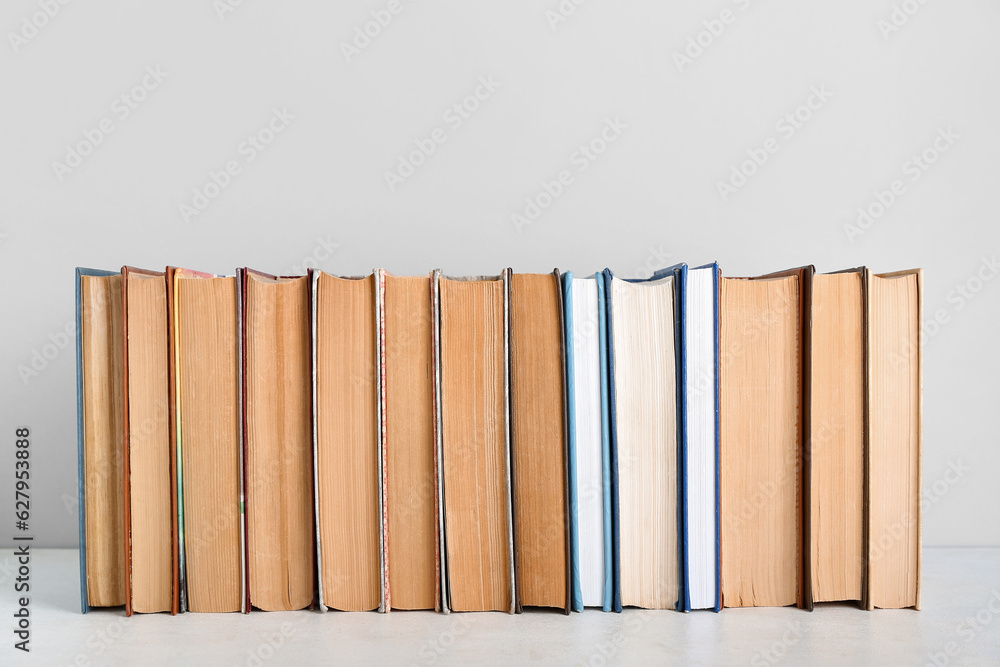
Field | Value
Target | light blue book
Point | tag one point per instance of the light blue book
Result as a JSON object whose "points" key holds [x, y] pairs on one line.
{"points": [[590, 492]]}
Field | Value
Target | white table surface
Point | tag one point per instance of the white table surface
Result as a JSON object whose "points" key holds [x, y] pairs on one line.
{"points": [[960, 616]]}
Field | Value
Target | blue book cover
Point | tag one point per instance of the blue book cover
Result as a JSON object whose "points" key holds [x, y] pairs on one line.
{"points": [[616, 598], [576, 591], [716, 285], [610, 545], [81, 486], [680, 345], [679, 272]]}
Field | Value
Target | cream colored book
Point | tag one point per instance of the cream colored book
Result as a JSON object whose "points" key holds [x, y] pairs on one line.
{"points": [[895, 439]]}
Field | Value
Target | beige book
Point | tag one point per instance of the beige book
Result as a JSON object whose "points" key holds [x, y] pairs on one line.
{"points": [[348, 468], [279, 492], [102, 476], [837, 445], [208, 412], [411, 486], [474, 443], [895, 404], [760, 450], [150, 482]]}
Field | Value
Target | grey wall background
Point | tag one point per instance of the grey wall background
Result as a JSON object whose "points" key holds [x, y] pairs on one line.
{"points": [[893, 76]]}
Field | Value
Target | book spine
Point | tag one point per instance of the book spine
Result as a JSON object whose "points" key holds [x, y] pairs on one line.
{"points": [[314, 284], [81, 486], [126, 445], [568, 533], [805, 434], [444, 593], [572, 506], [616, 604], [178, 406], [680, 359], [515, 603], [310, 321], [173, 419], [920, 434], [241, 403], [606, 487], [717, 389], [386, 603]]}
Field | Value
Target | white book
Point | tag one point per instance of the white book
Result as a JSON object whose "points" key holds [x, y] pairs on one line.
{"points": [[587, 426], [700, 353]]}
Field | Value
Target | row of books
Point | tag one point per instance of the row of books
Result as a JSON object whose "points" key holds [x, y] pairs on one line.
{"points": [[687, 441]]}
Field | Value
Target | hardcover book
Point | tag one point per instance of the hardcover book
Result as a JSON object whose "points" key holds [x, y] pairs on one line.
{"points": [[839, 424], [700, 445], [764, 432], [895, 439], [473, 438], [206, 312], [277, 440], [646, 435], [350, 549], [151, 528], [538, 440], [589, 436], [100, 429], [407, 363]]}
